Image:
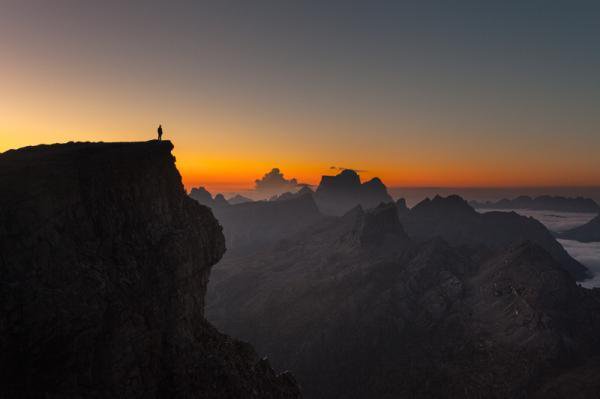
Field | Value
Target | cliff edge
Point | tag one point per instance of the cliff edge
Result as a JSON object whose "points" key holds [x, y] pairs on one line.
{"points": [[104, 262]]}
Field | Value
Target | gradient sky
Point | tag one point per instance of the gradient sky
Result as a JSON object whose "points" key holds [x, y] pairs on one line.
{"points": [[471, 93]]}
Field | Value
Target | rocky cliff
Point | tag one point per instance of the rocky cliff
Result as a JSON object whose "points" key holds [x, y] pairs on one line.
{"points": [[104, 262]]}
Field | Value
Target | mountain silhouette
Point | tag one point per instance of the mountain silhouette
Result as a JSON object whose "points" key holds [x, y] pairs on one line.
{"points": [[542, 203], [589, 232], [238, 199], [204, 197], [337, 194]]}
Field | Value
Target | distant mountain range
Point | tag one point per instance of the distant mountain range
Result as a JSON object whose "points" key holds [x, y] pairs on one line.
{"points": [[454, 220], [542, 203], [335, 195]]}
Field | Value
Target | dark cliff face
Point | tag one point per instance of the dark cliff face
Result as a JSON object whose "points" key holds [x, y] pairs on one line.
{"points": [[104, 262]]}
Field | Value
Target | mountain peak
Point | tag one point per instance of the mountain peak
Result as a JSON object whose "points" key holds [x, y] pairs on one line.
{"points": [[340, 193], [450, 204]]}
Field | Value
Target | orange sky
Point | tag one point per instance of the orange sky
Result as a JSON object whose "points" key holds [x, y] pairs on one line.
{"points": [[428, 101]]}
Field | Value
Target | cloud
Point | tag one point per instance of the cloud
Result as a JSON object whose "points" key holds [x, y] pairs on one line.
{"points": [[275, 181], [340, 168]]}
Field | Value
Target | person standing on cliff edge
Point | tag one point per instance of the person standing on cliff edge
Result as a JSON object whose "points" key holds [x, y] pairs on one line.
{"points": [[159, 132]]}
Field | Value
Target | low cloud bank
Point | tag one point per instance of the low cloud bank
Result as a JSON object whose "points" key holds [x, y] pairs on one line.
{"points": [[589, 255]]}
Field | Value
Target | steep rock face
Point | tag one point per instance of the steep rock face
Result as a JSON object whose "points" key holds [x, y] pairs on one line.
{"points": [[104, 263], [456, 222], [589, 232], [338, 194]]}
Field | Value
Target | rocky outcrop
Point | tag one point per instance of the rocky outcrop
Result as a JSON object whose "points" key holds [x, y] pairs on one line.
{"points": [[338, 194], [589, 232], [460, 225], [401, 206], [542, 203], [104, 262]]}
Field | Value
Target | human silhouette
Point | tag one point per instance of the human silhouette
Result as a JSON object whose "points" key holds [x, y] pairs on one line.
{"points": [[159, 132]]}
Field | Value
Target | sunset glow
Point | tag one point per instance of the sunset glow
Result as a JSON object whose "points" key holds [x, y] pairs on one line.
{"points": [[241, 90]]}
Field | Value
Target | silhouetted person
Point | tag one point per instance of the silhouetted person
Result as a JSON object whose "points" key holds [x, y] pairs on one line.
{"points": [[159, 132]]}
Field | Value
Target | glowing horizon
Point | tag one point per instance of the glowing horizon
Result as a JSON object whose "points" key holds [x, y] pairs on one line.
{"points": [[448, 96]]}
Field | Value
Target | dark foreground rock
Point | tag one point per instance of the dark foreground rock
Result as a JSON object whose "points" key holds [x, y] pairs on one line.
{"points": [[104, 262]]}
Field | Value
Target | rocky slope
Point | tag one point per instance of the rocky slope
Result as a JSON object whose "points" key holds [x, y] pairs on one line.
{"points": [[338, 194], [453, 219], [542, 203], [357, 308], [104, 262], [589, 232]]}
